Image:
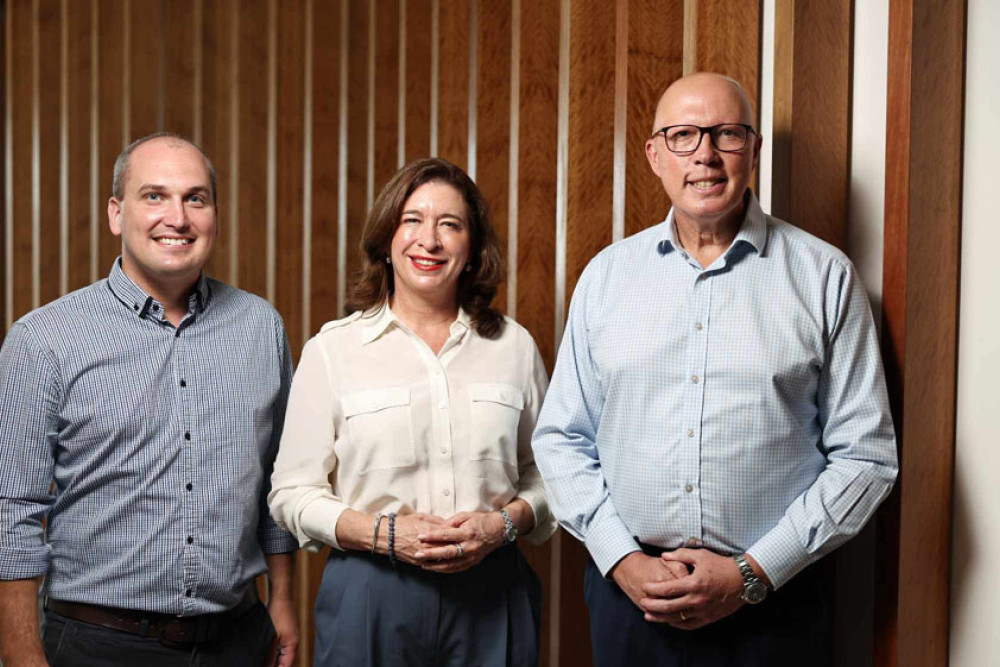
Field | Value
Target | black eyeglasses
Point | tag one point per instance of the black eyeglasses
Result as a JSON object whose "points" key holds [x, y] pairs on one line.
{"points": [[685, 139]]}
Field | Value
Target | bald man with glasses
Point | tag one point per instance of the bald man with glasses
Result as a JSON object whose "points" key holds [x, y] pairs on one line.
{"points": [[717, 419]]}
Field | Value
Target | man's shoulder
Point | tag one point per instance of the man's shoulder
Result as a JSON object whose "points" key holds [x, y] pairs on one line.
{"points": [[794, 241], [69, 308]]}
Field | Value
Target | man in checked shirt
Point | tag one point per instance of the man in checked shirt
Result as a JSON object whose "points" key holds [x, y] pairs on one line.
{"points": [[717, 419], [153, 400]]}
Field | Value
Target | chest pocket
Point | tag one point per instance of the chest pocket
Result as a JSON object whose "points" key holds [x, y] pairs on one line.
{"points": [[495, 411], [380, 428]]}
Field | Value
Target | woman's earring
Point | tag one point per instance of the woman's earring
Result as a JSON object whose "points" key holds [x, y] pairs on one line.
{"points": [[388, 260], [468, 267]]}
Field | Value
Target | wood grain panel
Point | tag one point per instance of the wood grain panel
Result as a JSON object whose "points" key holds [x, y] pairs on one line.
{"points": [[180, 41], [78, 243], [145, 46], [728, 42], [110, 24], [325, 146], [49, 82], [784, 77], [289, 171], [357, 131], [920, 292], [493, 24], [655, 60], [253, 110], [5, 216], [453, 82], [219, 77], [418, 79], [386, 92], [21, 17]]}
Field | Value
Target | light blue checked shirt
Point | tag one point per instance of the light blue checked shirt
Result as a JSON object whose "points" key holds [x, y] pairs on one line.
{"points": [[160, 442], [739, 408]]}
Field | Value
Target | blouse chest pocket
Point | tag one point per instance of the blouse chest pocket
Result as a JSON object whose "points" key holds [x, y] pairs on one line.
{"points": [[495, 414], [380, 428]]}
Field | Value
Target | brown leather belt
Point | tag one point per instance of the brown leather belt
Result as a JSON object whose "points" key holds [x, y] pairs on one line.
{"points": [[164, 627]]}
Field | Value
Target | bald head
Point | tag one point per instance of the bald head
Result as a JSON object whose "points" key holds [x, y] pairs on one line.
{"points": [[707, 91]]}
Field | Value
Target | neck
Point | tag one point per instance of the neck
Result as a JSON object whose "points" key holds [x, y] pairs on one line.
{"points": [[706, 240], [418, 313]]}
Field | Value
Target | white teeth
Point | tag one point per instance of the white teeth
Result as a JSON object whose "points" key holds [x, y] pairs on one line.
{"points": [[427, 262], [173, 241], [703, 185]]}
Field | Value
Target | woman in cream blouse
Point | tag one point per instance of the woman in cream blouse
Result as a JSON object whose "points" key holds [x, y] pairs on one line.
{"points": [[406, 444]]}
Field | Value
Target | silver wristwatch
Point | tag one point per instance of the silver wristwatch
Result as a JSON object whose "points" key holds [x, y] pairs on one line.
{"points": [[754, 590], [509, 529]]}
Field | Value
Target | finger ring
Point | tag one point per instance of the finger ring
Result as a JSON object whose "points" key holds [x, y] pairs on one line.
{"points": [[461, 551], [683, 617]]}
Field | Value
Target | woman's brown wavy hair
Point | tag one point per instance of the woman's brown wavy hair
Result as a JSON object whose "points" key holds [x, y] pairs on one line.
{"points": [[476, 288]]}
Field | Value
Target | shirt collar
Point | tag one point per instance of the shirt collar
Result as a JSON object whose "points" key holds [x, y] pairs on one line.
{"points": [[383, 319], [753, 229], [142, 303]]}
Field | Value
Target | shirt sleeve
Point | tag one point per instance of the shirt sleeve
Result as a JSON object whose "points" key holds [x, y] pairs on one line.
{"points": [[565, 443], [29, 403], [301, 499], [858, 441], [531, 488], [273, 538]]}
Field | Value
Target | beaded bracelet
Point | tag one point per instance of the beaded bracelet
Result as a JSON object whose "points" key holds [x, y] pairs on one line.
{"points": [[392, 537], [378, 520]]}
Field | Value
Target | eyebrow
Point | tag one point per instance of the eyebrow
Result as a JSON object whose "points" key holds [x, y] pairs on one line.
{"points": [[159, 187], [443, 215]]}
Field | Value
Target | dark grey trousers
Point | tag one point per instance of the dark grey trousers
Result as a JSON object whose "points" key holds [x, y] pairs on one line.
{"points": [[371, 614], [244, 643]]}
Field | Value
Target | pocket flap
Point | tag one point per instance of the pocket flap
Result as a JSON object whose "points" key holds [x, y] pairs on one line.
{"points": [[374, 400], [497, 393]]}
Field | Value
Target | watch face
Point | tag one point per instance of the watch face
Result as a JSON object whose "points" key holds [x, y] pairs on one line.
{"points": [[755, 593]]}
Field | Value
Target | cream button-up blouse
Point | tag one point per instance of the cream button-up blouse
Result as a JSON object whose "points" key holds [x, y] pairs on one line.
{"points": [[377, 422]]}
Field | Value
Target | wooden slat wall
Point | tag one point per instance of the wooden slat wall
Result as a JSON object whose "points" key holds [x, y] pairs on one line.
{"points": [[308, 107]]}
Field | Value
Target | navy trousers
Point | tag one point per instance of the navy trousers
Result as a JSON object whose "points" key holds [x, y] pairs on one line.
{"points": [[244, 643], [788, 629], [371, 614]]}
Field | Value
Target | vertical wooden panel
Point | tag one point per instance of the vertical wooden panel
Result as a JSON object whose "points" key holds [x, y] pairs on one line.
{"points": [[357, 124], [386, 108], [48, 147], [78, 243], [325, 134], [920, 291], [253, 109], [145, 44], [493, 116], [109, 111], [219, 76], [180, 41], [289, 174], [21, 17], [817, 103], [418, 79], [728, 42], [655, 60], [5, 166], [453, 82]]}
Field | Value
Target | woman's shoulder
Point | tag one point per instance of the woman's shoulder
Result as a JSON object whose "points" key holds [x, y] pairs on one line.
{"points": [[342, 323]]}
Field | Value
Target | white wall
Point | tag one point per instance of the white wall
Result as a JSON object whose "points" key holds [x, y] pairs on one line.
{"points": [[975, 590]]}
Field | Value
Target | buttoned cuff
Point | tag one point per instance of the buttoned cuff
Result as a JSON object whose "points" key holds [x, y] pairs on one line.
{"points": [[780, 554], [318, 524], [21, 563], [275, 540], [608, 541]]}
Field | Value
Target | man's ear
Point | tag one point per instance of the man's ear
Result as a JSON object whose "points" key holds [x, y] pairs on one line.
{"points": [[651, 156], [115, 216]]}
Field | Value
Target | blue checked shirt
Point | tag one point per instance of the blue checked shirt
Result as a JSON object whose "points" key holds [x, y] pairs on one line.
{"points": [[159, 442], [738, 408]]}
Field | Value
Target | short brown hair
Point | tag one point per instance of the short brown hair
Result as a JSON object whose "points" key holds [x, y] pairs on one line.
{"points": [[476, 287], [122, 163]]}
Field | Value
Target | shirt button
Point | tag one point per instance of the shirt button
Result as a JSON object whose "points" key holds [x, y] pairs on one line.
{"points": [[690, 432], [155, 308], [692, 541], [444, 450], [187, 593], [689, 488], [187, 435], [446, 492], [190, 540], [443, 405], [695, 379], [189, 486], [697, 325], [183, 383]]}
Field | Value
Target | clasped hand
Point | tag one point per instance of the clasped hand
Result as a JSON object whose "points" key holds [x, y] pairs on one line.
{"points": [[429, 541]]}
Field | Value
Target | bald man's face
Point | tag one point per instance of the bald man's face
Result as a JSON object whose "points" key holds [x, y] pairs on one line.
{"points": [[706, 186]]}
